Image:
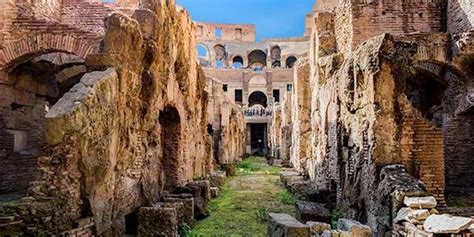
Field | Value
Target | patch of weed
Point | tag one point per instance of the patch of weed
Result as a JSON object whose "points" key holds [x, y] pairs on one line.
{"points": [[286, 197]]}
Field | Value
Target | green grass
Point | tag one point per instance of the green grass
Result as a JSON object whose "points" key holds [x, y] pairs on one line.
{"points": [[286, 197], [244, 203], [256, 165]]}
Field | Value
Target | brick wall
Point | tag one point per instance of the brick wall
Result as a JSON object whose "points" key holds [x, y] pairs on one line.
{"points": [[17, 172], [459, 143], [370, 18], [423, 153], [460, 16]]}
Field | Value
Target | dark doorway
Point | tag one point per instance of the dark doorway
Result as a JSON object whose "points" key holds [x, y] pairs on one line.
{"points": [[170, 137], [258, 138], [131, 224]]}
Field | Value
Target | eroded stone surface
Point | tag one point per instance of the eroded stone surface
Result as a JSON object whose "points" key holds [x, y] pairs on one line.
{"points": [[420, 202], [284, 225], [446, 224]]}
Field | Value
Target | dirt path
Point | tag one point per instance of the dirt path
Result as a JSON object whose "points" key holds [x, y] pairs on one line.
{"points": [[244, 202]]}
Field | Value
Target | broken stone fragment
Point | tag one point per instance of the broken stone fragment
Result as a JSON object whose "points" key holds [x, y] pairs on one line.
{"points": [[284, 225], [447, 224], [217, 179], [356, 229], [411, 215], [318, 227], [311, 211], [420, 202], [214, 192]]}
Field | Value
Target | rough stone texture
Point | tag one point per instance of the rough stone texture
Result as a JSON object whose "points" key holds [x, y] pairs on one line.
{"points": [[446, 224], [187, 210], [354, 227], [318, 227], [311, 211], [158, 221], [301, 116], [420, 202], [284, 225], [214, 192], [227, 125], [132, 128], [408, 214]]}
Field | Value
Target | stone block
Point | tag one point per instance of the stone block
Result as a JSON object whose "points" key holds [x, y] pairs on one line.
{"points": [[284, 225], [355, 228], [411, 215], [318, 227], [187, 211], [420, 202], [447, 224], [197, 192], [217, 179], [157, 221], [214, 192], [311, 211]]}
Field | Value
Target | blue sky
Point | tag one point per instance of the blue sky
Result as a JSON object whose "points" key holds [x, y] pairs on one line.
{"points": [[273, 18]]}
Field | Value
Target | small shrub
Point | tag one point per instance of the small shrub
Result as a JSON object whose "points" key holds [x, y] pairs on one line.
{"points": [[286, 197], [336, 215]]}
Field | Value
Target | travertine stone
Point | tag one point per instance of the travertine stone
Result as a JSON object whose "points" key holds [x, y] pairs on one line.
{"points": [[284, 225], [420, 202], [318, 227], [446, 224]]}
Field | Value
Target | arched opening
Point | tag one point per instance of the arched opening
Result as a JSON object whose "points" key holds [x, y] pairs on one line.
{"points": [[290, 61], [202, 51], [237, 62], [426, 94], [37, 83], [258, 98], [257, 60], [170, 137], [276, 56], [221, 56]]}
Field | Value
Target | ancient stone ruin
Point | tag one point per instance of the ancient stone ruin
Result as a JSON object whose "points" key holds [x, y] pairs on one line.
{"points": [[123, 119]]}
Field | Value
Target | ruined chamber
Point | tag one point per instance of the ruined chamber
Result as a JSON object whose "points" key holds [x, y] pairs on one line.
{"points": [[113, 126]]}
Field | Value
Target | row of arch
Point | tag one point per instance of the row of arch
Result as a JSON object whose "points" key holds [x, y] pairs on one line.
{"points": [[256, 59]]}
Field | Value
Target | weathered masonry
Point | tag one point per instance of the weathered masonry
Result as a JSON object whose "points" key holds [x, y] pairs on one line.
{"points": [[386, 92], [102, 121], [253, 74]]}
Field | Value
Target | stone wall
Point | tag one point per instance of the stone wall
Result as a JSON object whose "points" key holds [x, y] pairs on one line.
{"points": [[108, 137], [365, 19], [301, 116], [228, 125], [362, 120], [459, 144]]}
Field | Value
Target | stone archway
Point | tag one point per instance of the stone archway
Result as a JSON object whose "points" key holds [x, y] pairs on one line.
{"points": [[170, 136], [17, 51], [258, 98]]}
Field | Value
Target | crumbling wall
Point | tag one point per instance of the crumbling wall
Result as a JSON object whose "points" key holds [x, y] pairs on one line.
{"points": [[361, 122], [105, 136], [275, 131], [226, 125], [359, 20], [301, 116]]}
